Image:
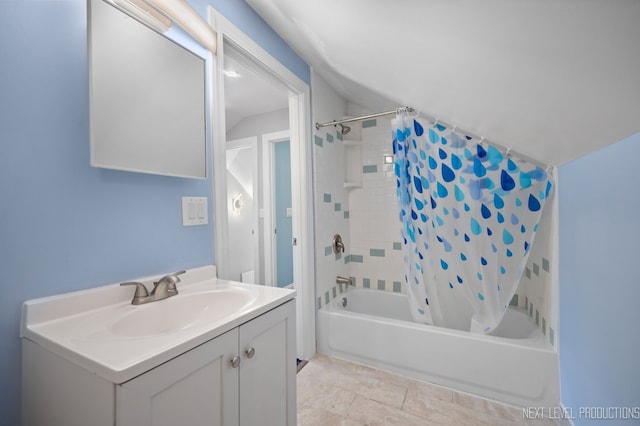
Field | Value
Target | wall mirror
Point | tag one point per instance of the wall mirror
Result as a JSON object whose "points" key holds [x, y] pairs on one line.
{"points": [[147, 98]]}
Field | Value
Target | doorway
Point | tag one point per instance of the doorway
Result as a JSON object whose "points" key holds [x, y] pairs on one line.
{"points": [[232, 122], [278, 230]]}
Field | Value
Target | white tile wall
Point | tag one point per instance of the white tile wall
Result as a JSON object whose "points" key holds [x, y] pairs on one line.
{"points": [[328, 180], [374, 213], [538, 289]]}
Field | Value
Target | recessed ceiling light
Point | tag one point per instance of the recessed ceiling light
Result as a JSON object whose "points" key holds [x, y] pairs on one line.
{"points": [[231, 74]]}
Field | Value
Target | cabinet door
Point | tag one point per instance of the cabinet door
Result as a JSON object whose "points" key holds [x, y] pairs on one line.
{"points": [[197, 388], [268, 370]]}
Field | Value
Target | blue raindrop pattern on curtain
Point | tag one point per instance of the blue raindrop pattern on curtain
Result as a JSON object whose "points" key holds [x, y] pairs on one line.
{"points": [[469, 214]]}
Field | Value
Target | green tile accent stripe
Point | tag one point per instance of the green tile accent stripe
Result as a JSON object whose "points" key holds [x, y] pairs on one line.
{"points": [[514, 300], [356, 258], [346, 214], [334, 292], [327, 198], [318, 140], [397, 246], [552, 337], [327, 251], [544, 326], [527, 272], [376, 252], [339, 136], [545, 265], [366, 283], [347, 258], [319, 302], [536, 269], [326, 297], [338, 256], [397, 287], [371, 168], [329, 138], [337, 207], [381, 284], [537, 317], [531, 310], [369, 123]]}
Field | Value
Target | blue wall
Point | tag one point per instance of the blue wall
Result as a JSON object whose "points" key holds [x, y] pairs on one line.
{"points": [[64, 225], [599, 282]]}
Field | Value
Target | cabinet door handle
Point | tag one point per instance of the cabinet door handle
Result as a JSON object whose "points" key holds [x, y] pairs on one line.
{"points": [[250, 352], [235, 362]]}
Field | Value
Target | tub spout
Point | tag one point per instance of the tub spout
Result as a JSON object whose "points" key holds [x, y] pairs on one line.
{"points": [[343, 280]]}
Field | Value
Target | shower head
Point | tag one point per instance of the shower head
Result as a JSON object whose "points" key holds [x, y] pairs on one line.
{"points": [[344, 129]]}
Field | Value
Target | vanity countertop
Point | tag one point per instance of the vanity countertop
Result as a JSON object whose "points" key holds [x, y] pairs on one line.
{"points": [[85, 327]]}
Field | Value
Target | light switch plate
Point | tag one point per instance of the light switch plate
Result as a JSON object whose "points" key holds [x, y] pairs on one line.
{"points": [[194, 211]]}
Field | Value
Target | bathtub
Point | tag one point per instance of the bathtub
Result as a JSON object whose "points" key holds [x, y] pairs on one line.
{"points": [[515, 365]]}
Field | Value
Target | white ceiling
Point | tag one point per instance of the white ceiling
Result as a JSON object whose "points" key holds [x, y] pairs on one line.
{"points": [[552, 79], [251, 93]]}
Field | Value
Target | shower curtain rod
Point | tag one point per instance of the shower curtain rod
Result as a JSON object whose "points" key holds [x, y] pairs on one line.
{"points": [[546, 167], [364, 117]]}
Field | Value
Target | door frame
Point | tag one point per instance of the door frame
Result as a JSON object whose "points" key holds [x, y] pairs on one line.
{"points": [[301, 172]]}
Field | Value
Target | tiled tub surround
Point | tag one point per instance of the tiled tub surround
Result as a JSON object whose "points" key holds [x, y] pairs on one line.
{"points": [[331, 213], [376, 257], [539, 284], [331, 199], [516, 366]]}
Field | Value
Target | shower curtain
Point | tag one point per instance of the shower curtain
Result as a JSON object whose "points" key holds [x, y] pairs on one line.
{"points": [[469, 214]]}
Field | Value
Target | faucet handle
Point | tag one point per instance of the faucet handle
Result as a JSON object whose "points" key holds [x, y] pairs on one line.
{"points": [[337, 244], [141, 290], [174, 280], [170, 280]]}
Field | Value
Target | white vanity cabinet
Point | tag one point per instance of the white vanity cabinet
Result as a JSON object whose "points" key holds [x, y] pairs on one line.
{"points": [[245, 376]]}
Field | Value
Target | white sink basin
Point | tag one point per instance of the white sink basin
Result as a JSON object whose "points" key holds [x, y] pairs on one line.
{"points": [[181, 312], [101, 331]]}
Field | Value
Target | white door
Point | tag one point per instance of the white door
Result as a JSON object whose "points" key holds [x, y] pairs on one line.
{"points": [[198, 388]]}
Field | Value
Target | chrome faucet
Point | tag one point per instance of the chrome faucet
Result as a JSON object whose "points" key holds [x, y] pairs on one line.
{"points": [[343, 280], [163, 288]]}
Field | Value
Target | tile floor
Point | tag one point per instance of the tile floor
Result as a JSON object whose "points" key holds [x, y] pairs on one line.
{"points": [[336, 392]]}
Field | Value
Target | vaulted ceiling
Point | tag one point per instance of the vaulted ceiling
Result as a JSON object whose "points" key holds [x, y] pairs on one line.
{"points": [[551, 79]]}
